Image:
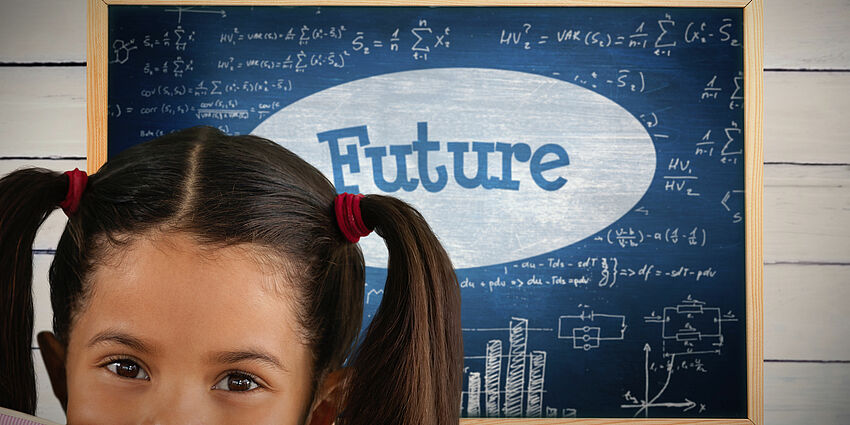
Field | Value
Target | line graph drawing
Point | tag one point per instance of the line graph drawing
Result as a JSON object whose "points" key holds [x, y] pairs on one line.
{"points": [[643, 405], [588, 329]]}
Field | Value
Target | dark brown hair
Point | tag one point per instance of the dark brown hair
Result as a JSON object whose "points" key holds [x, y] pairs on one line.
{"points": [[226, 190]]}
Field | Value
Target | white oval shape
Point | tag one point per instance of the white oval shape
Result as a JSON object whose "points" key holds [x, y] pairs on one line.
{"points": [[611, 156]]}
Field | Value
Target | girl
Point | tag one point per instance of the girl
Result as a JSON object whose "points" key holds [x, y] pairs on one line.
{"points": [[206, 278]]}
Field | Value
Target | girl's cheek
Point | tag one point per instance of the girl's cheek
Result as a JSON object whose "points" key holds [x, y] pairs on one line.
{"points": [[271, 414], [95, 397], [98, 406]]}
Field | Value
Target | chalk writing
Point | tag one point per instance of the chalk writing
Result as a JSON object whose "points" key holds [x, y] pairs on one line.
{"points": [[646, 308]]}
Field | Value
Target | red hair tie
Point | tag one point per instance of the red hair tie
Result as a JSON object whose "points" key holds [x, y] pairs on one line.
{"points": [[347, 207], [76, 185]]}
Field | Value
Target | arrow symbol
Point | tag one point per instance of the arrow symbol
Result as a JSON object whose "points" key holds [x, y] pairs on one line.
{"points": [[723, 201]]}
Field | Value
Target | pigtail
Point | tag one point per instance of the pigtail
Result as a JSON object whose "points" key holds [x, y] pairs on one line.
{"points": [[407, 369], [27, 197]]}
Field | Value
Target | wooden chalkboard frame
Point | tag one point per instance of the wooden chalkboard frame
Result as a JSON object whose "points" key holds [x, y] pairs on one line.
{"points": [[96, 123]]}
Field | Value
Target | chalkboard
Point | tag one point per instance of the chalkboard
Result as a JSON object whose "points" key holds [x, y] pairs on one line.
{"points": [[589, 170]]}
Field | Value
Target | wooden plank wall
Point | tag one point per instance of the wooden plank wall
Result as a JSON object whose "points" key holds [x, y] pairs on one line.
{"points": [[806, 179]]}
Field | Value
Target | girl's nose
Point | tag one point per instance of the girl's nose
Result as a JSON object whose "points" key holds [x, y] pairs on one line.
{"points": [[178, 403]]}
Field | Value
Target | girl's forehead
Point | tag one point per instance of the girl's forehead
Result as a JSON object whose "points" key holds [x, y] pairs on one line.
{"points": [[173, 291], [171, 252]]}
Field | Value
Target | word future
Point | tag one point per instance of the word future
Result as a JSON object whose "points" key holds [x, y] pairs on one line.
{"points": [[508, 152]]}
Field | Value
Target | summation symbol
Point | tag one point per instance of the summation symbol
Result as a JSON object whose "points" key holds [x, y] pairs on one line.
{"points": [[737, 215], [733, 139]]}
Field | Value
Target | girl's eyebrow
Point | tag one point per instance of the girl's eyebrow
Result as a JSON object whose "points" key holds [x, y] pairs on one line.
{"points": [[227, 357], [123, 338], [256, 354]]}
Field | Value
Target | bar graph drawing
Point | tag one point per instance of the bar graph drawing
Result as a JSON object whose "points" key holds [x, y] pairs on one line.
{"points": [[520, 390]]}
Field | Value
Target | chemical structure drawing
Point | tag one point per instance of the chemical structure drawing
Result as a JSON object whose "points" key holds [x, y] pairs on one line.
{"points": [[122, 50], [589, 328]]}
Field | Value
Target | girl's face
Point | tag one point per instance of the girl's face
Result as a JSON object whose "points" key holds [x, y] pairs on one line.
{"points": [[171, 334]]}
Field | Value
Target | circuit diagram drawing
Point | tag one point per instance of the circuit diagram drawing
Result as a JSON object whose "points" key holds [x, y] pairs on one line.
{"points": [[691, 327], [588, 329]]}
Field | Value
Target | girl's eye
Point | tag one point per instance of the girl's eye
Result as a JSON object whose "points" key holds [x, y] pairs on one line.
{"points": [[236, 382], [127, 368]]}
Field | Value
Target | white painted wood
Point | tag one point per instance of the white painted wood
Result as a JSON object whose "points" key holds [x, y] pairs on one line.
{"points": [[806, 212], [807, 34], [43, 31], [43, 111], [805, 312], [49, 232], [805, 116], [806, 393]]}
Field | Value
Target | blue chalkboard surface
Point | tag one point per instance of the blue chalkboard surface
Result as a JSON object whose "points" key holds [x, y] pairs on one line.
{"points": [[583, 167]]}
